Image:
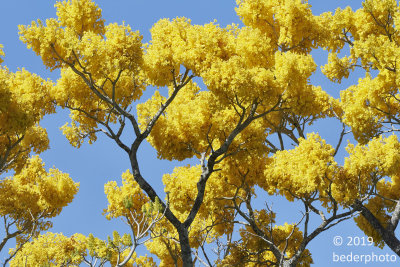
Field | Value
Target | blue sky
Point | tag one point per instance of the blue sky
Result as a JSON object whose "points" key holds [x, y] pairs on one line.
{"points": [[94, 165]]}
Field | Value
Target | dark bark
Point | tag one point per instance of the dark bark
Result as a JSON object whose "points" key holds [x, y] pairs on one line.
{"points": [[8, 237], [387, 234], [186, 251]]}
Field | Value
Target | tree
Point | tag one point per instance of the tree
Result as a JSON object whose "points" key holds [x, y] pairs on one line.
{"points": [[370, 108], [257, 100], [32, 195], [59, 250]]}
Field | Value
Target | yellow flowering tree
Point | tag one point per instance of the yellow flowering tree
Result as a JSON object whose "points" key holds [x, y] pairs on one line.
{"points": [[31, 196], [127, 202], [371, 109], [58, 250], [248, 128], [24, 100]]}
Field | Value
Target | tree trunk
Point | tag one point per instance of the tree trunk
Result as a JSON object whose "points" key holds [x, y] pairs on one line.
{"points": [[186, 252]]}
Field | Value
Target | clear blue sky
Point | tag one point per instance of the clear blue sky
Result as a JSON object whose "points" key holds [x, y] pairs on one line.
{"points": [[94, 165]]}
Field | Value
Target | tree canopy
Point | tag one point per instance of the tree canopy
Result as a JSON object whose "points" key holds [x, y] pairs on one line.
{"points": [[237, 99]]}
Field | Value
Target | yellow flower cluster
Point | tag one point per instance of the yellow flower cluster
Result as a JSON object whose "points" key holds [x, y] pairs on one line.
{"points": [[362, 24], [371, 32], [109, 57], [24, 100], [166, 250], [366, 166], [178, 42], [179, 186], [128, 200], [192, 121], [80, 15], [334, 25], [187, 117], [124, 200], [380, 157], [242, 62], [35, 194], [253, 250], [292, 73], [300, 171], [267, 63], [52, 249], [288, 23], [337, 68], [62, 35], [369, 103], [310, 168]]}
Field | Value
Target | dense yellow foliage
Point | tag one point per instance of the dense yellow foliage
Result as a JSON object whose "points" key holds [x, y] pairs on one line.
{"points": [[229, 62], [257, 77], [379, 163], [289, 24], [194, 120], [24, 100], [52, 249], [247, 253], [127, 201], [35, 194], [109, 53], [371, 33], [32, 196], [301, 171], [371, 106], [179, 186]]}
